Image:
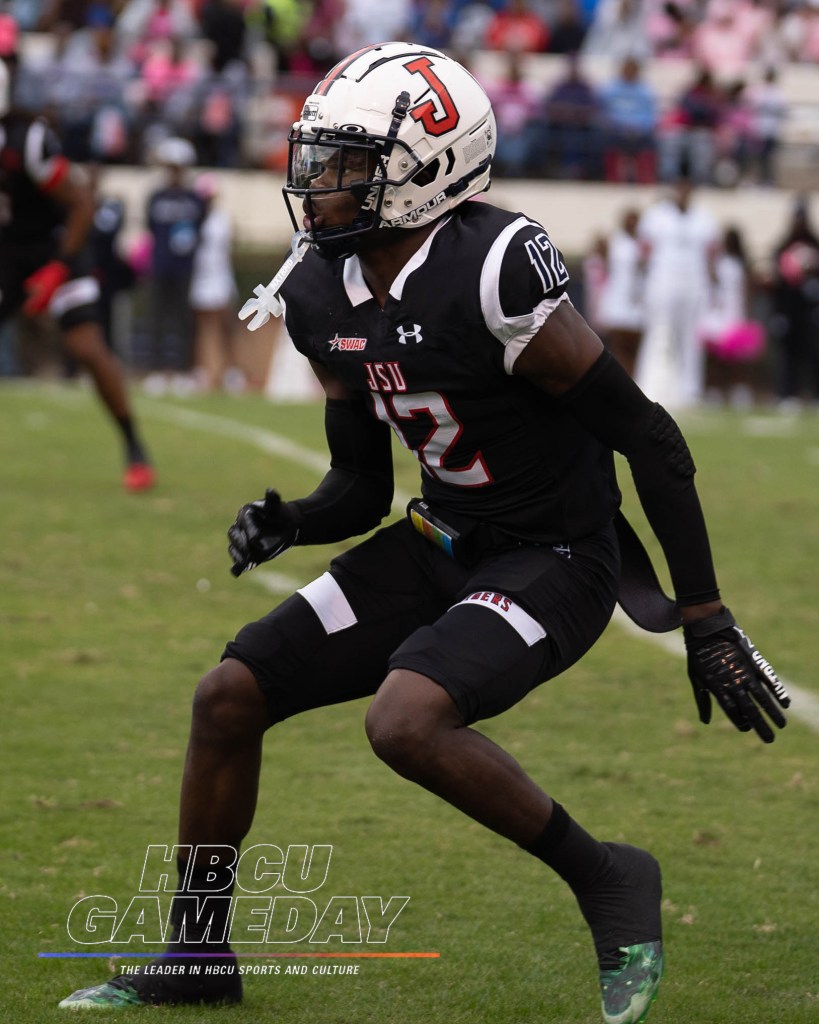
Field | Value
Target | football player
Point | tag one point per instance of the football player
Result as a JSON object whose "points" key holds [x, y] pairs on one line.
{"points": [[447, 321], [46, 213]]}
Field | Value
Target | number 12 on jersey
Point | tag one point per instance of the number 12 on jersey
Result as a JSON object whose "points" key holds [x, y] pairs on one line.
{"points": [[436, 446]]}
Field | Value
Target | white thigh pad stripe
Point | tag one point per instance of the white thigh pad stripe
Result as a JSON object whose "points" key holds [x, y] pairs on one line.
{"points": [[79, 292], [327, 600], [529, 629]]}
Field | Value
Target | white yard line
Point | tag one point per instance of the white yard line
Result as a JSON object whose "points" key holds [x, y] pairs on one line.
{"points": [[222, 426], [258, 437], [275, 582], [769, 426]]}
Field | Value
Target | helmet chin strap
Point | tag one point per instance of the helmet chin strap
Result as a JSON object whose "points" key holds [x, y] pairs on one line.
{"points": [[399, 112], [339, 248]]}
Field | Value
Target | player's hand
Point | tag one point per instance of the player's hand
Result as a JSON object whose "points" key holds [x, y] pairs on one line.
{"points": [[724, 664], [41, 285], [262, 531]]}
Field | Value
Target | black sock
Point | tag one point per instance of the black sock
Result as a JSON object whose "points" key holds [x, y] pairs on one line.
{"points": [[134, 452], [569, 850], [200, 911], [617, 887]]}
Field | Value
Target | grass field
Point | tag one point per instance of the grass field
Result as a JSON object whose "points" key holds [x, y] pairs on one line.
{"points": [[112, 606]]}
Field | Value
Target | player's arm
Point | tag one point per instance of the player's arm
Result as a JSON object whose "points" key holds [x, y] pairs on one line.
{"points": [[567, 360], [353, 498], [66, 184], [73, 192], [356, 494]]}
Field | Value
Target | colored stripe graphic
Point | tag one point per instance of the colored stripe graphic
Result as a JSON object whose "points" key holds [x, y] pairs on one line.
{"points": [[267, 956]]}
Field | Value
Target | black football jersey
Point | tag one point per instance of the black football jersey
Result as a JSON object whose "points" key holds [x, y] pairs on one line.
{"points": [[31, 162], [436, 365]]}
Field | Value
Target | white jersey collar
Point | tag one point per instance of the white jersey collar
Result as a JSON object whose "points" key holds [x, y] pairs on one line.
{"points": [[356, 286]]}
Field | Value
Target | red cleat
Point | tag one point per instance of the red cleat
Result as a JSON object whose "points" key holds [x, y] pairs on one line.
{"points": [[139, 476]]}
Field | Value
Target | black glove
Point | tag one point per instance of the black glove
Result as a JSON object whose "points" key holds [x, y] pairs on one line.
{"points": [[723, 663], [263, 530]]}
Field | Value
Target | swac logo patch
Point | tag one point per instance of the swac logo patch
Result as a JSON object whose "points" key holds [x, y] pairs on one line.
{"points": [[404, 334], [310, 112], [347, 344]]}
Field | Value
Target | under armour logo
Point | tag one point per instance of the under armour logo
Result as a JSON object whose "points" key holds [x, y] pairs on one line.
{"points": [[403, 334]]}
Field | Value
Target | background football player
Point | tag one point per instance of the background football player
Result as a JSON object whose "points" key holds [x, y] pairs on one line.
{"points": [[46, 214]]}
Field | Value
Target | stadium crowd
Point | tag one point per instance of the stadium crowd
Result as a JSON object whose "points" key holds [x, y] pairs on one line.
{"points": [[116, 76], [119, 79]]}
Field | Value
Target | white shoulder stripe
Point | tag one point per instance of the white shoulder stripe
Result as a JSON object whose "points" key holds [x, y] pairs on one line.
{"points": [[536, 319], [490, 278], [515, 332]]}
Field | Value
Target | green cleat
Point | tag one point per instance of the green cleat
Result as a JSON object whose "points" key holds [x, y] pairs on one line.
{"points": [[116, 994], [628, 992], [166, 981]]}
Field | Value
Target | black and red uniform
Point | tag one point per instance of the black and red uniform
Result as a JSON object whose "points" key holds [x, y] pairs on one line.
{"points": [[435, 365], [31, 166]]}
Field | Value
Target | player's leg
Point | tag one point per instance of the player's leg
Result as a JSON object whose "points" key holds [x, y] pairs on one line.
{"points": [[218, 799], [84, 341], [481, 657], [415, 727], [232, 710], [220, 780], [74, 306], [327, 644]]}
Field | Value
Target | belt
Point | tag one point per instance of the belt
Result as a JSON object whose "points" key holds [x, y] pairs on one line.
{"points": [[641, 595]]}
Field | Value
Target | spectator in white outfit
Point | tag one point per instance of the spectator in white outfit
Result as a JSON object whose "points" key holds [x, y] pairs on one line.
{"points": [[680, 239], [213, 294], [622, 303], [733, 341]]}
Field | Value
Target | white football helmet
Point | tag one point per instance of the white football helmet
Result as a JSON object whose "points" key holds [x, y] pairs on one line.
{"points": [[404, 128]]}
